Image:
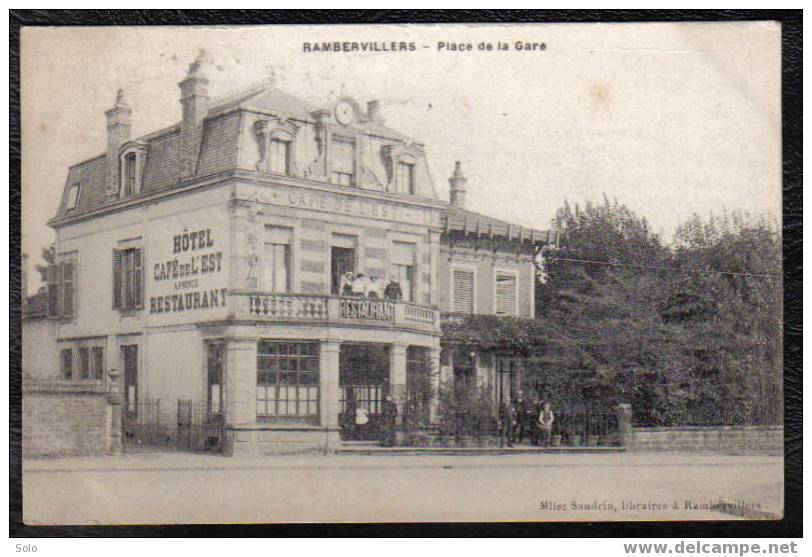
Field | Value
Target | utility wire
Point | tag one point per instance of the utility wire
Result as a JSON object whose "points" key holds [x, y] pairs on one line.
{"points": [[661, 267]]}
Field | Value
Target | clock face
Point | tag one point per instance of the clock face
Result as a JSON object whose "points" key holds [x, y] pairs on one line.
{"points": [[344, 113]]}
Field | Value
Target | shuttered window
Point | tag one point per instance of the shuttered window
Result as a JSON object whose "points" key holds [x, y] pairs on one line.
{"points": [[505, 294], [128, 279], [68, 280], [53, 291], [463, 298], [62, 289]]}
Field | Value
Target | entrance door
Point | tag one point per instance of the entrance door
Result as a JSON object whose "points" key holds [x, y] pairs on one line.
{"points": [[363, 383], [129, 358], [342, 262]]}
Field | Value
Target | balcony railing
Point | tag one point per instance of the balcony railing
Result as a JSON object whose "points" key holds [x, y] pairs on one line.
{"points": [[306, 308]]}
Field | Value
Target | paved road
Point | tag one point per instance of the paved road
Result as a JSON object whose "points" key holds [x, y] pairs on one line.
{"points": [[177, 488]]}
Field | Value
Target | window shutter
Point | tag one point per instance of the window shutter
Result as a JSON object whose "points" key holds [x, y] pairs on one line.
{"points": [[505, 295], [68, 287], [53, 291], [138, 276], [463, 291], [117, 279]]}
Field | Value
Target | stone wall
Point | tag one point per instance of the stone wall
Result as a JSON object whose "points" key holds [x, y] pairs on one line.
{"points": [[724, 439], [65, 419]]}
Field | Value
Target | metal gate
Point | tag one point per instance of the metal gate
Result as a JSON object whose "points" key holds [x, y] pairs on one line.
{"points": [[142, 427], [199, 430]]}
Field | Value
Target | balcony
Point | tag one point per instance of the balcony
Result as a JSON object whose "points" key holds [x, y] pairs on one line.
{"points": [[334, 310]]}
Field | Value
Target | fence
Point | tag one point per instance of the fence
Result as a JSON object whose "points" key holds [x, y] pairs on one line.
{"points": [[198, 430], [701, 414], [142, 427]]}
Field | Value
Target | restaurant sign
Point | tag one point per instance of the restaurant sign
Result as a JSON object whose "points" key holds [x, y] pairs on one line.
{"points": [[187, 274]]}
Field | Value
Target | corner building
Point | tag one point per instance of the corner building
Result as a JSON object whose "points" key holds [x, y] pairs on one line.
{"points": [[204, 262]]}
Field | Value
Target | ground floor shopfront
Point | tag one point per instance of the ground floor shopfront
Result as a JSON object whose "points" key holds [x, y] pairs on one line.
{"points": [[270, 388]]}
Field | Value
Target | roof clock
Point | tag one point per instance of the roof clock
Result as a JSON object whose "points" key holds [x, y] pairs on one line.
{"points": [[344, 113]]}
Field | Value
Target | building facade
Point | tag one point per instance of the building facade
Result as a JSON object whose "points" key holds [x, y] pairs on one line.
{"points": [[275, 263]]}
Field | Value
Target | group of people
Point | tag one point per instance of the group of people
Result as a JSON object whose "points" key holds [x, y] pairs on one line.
{"points": [[362, 286], [522, 418]]}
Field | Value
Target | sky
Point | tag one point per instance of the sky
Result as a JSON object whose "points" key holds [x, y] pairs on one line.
{"points": [[670, 119]]}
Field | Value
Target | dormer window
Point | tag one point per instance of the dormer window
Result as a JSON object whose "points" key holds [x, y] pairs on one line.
{"points": [[73, 195], [343, 162], [129, 174], [279, 155], [404, 178], [131, 169]]}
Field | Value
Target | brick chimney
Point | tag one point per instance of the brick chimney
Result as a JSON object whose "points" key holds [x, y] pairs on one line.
{"points": [[374, 111], [194, 98], [118, 132], [194, 94], [457, 181]]}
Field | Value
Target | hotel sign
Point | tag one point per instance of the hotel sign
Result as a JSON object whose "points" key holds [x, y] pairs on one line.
{"points": [[188, 273]]}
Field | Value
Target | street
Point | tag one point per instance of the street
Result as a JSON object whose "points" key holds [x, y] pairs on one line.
{"points": [[171, 488]]}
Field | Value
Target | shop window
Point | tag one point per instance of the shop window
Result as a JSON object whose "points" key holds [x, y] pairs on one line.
{"points": [[287, 379], [343, 162], [66, 363], [463, 291], [73, 195], [279, 155], [128, 279], [505, 294], [62, 289], [276, 259], [404, 178], [418, 385]]}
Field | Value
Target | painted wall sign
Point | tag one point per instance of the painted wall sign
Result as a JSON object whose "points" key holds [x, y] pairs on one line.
{"points": [[366, 309], [186, 275], [345, 204]]}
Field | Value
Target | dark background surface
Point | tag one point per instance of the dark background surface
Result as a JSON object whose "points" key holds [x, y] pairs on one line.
{"points": [[792, 114]]}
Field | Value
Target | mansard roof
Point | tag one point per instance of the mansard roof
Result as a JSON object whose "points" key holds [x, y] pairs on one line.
{"points": [[219, 146]]}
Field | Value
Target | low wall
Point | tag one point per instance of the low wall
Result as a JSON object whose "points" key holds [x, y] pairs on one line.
{"points": [[726, 439], [65, 419]]}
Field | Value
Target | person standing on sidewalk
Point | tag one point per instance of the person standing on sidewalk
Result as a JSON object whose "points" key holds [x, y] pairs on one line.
{"points": [[390, 414], [545, 422]]}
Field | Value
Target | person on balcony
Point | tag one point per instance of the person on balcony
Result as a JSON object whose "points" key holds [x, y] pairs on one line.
{"points": [[360, 285], [374, 289], [346, 283], [545, 421], [393, 293]]}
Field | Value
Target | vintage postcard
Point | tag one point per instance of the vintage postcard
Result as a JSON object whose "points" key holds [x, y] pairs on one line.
{"points": [[402, 273]]}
